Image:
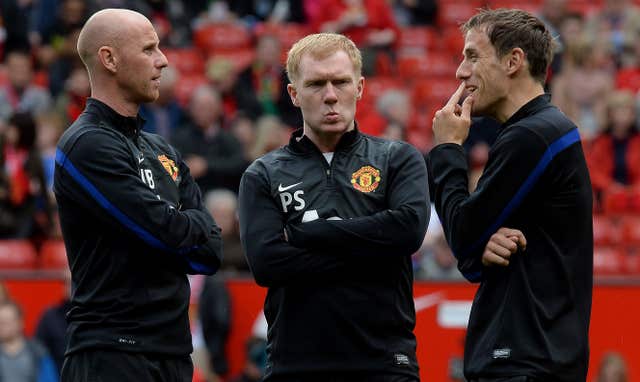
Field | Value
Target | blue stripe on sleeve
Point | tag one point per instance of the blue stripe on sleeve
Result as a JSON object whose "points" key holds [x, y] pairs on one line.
{"points": [[556, 147], [146, 236]]}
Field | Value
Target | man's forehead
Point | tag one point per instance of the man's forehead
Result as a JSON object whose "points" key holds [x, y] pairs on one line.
{"points": [[477, 40], [337, 64]]}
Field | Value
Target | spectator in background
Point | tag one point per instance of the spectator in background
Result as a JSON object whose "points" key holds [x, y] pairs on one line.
{"points": [[222, 204], [272, 11], [165, 114], [369, 23], [20, 94], [614, 22], [244, 130], [214, 155], [214, 312], [24, 202], [628, 76], [552, 13], [415, 12], [57, 46], [52, 325], [434, 260], [395, 107], [582, 88], [613, 368], [50, 126], [614, 156], [21, 359], [262, 88], [73, 99], [255, 361], [222, 75], [15, 22], [270, 135]]}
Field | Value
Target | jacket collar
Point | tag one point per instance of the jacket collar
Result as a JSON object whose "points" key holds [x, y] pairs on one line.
{"points": [[301, 143], [531, 107], [130, 126]]}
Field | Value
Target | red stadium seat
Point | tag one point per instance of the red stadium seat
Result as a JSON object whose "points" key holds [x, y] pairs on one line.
{"points": [[616, 201], [432, 64], [631, 230], [53, 255], [222, 37], [457, 12], [606, 230], [529, 6], [376, 86], [186, 85], [433, 90], [608, 261], [417, 38], [17, 255], [287, 33], [185, 60], [241, 59]]}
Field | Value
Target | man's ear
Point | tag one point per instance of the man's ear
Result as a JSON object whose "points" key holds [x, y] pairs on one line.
{"points": [[360, 88], [515, 60], [293, 93], [108, 59]]}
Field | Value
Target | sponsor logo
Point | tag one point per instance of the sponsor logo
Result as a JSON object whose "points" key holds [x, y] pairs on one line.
{"points": [[282, 188], [366, 179], [401, 359], [503, 353], [169, 165]]}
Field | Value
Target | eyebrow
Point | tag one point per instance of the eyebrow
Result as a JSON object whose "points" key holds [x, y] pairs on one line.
{"points": [[324, 79]]}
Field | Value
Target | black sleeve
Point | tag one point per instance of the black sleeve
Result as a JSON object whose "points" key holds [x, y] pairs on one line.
{"points": [[273, 261], [397, 231], [469, 220], [207, 258], [103, 172]]}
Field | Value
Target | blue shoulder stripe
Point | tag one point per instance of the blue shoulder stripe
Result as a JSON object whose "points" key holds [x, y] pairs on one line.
{"points": [[556, 147], [146, 236]]}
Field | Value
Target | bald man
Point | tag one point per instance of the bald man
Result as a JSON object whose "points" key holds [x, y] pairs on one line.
{"points": [[133, 220]]}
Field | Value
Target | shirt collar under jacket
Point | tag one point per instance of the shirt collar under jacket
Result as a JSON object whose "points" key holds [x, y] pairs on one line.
{"points": [[305, 144], [531, 107], [129, 126]]}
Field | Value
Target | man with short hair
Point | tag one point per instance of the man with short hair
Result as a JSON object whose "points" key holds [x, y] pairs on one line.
{"points": [[530, 318], [132, 217], [329, 223]]}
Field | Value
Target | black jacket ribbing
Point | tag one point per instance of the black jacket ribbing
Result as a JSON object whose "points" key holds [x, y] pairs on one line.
{"points": [[133, 224], [340, 291], [532, 317]]}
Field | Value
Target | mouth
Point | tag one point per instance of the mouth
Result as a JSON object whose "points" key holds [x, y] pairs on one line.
{"points": [[470, 89]]}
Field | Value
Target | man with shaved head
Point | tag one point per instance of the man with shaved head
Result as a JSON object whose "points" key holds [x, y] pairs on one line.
{"points": [[132, 217]]}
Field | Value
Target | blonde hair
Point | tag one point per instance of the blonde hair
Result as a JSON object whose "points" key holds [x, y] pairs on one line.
{"points": [[322, 45]]}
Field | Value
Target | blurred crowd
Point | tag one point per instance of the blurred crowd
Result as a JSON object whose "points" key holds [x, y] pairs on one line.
{"points": [[223, 99], [223, 103]]}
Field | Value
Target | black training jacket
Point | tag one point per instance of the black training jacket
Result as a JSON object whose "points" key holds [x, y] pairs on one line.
{"points": [[340, 295], [532, 317], [134, 225]]}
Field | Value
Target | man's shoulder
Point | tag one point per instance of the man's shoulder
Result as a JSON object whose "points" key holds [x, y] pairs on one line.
{"points": [[272, 160]]}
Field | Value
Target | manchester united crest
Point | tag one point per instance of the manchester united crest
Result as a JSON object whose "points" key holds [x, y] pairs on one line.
{"points": [[169, 165], [366, 179]]}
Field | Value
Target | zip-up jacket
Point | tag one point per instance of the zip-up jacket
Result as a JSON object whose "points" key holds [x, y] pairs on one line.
{"points": [[340, 281], [532, 317], [134, 225]]}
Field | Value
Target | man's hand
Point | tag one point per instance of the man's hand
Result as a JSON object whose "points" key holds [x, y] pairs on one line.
{"points": [[502, 245], [451, 123]]}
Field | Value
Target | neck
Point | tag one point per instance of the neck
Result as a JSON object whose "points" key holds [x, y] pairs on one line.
{"points": [[107, 93], [518, 95]]}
